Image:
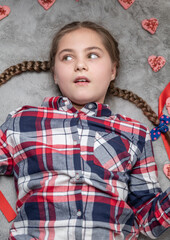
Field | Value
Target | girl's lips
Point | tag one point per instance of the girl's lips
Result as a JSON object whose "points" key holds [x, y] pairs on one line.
{"points": [[81, 79], [82, 83]]}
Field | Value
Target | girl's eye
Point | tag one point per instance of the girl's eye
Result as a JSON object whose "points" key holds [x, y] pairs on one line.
{"points": [[93, 55], [67, 58]]}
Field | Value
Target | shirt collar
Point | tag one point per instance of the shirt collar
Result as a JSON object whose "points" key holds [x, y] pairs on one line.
{"points": [[64, 104]]}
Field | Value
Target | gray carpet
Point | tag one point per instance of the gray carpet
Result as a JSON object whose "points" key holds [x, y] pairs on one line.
{"points": [[26, 33]]}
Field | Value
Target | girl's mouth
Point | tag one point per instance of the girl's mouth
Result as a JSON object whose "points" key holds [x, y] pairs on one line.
{"points": [[82, 81]]}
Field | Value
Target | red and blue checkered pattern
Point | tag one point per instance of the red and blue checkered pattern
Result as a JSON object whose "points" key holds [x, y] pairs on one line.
{"points": [[83, 174]]}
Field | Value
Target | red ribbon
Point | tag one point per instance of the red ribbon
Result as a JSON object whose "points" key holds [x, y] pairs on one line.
{"points": [[6, 208], [162, 100]]}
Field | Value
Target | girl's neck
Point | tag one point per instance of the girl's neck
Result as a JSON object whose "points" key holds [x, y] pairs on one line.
{"points": [[78, 107]]}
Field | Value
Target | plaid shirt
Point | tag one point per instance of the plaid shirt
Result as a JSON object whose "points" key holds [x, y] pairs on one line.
{"points": [[81, 175]]}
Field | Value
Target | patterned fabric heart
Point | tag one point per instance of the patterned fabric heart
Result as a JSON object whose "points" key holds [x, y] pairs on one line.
{"points": [[166, 170], [4, 11], [126, 3], [150, 25], [156, 62], [46, 4]]}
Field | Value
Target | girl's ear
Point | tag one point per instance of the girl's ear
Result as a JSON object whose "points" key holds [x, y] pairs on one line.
{"points": [[113, 74]]}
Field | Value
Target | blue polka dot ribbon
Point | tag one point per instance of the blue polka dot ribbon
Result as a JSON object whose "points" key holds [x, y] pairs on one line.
{"points": [[161, 128]]}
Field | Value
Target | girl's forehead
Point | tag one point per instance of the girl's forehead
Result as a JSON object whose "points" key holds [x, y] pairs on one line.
{"points": [[80, 36]]}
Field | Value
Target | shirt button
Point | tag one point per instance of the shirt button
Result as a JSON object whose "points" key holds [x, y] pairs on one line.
{"points": [[79, 214], [98, 136], [91, 106], [77, 177]]}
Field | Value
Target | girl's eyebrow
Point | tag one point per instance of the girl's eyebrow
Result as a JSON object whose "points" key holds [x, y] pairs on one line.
{"points": [[65, 50], [93, 48], [86, 49]]}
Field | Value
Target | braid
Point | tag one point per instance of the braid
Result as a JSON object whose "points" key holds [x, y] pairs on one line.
{"points": [[39, 66], [31, 66], [140, 103]]}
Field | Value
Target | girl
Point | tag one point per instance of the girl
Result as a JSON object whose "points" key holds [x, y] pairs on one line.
{"points": [[80, 171]]}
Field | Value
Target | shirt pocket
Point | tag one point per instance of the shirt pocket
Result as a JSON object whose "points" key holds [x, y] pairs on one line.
{"points": [[111, 152]]}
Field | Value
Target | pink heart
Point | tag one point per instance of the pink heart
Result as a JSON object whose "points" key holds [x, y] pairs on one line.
{"points": [[46, 4], [4, 11], [150, 25], [156, 62], [166, 170], [126, 3]]}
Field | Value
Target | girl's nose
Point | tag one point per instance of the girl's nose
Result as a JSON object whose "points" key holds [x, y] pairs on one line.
{"points": [[80, 65]]}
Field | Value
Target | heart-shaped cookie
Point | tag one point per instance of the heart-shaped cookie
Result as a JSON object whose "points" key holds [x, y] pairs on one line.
{"points": [[4, 11], [46, 4], [156, 62], [126, 3], [166, 170], [150, 25]]}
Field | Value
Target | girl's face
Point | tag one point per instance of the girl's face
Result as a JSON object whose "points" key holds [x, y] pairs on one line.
{"points": [[83, 68]]}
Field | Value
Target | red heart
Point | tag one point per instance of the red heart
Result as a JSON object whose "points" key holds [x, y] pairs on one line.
{"points": [[4, 11], [150, 25], [126, 3], [156, 63], [166, 170], [46, 3]]}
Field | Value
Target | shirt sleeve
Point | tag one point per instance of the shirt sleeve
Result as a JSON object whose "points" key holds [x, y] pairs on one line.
{"points": [[150, 205], [6, 157]]}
